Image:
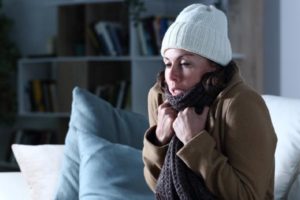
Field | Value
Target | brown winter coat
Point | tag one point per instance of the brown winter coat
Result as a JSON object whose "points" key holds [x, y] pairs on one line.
{"points": [[234, 154]]}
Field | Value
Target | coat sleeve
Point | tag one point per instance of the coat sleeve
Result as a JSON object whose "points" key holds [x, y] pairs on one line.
{"points": [[245, 168], [153, 155], [153, 158], [154, 100]]}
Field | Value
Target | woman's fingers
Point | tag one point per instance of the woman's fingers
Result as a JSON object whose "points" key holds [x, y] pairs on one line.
{"points": [[188, 123]]}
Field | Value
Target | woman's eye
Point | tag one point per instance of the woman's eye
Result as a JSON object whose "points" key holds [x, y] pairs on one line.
{"points": [[185, 64], [168, 64]]}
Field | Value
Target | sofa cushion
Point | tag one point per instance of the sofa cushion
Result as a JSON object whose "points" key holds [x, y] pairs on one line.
{"points": [[110, 171], [9, 181], [68, 183], [294, 192], [40, 166], [285, 115], [91, 114]]}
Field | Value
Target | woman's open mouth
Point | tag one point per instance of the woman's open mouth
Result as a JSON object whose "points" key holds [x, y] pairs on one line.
{"points": [[176, 91]]}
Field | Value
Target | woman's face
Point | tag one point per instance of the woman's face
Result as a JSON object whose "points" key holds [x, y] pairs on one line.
{"points": [[184, 69]]}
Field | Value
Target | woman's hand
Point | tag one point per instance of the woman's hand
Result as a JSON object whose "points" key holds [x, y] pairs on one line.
{"points": [[188, 123], [165, 119]]}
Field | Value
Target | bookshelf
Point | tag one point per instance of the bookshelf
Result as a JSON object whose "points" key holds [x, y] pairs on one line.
{"points": [[78, 61], [67, 72]]}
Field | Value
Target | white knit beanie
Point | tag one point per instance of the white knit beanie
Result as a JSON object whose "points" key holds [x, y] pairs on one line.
{"points": [[202, 30]]}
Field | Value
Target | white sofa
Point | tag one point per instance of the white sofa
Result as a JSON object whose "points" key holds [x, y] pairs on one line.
{"points": [[13, 186], [285, 114]]}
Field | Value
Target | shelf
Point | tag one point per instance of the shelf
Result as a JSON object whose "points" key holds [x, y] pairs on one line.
{"points": [[147, 58], [8, 166], [237, 56], [45, 114], [101, 58], [179, 3], [80, 61], [74, 59], [75, 2]]}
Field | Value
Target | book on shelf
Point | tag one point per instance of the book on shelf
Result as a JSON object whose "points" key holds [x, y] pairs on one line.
{"points": [[127, 99], [43, 95], [103, 32], [148, 24], [115, 93], [107, 92], [164, 23], [94, 39], [150, 31], [142, 39], [114, 30], [53, 95], [36, 95], [123, 93], [109, 37]]}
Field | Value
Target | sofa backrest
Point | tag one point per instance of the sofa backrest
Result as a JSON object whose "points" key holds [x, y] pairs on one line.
{"points": [[285, 115]]}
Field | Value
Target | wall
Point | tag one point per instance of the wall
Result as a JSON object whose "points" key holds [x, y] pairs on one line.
{"points": [[35, 24], [290, 48], [271, 38]]}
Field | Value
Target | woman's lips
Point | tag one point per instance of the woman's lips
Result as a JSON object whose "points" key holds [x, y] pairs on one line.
{"points": [[176, 91]]}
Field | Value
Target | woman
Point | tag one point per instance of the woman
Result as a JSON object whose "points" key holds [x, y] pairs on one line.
{"points": [[210, 135]]}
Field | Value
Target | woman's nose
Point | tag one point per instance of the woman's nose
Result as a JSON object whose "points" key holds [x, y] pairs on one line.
{"points": [[174, 73]]}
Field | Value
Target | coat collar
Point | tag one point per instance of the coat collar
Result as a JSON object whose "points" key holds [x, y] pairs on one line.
{"points": [[236, 79]]}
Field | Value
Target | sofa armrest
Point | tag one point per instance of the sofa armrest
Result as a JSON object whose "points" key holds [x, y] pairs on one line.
{"points": [[13, 186]]}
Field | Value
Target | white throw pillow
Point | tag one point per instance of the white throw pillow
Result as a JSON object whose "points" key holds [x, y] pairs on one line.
{"points": [[40, 166], [285, 115]]}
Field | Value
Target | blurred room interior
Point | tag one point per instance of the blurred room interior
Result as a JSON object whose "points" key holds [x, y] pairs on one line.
{"points": [[41, 37]]}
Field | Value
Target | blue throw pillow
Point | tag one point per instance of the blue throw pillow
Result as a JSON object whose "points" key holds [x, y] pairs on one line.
{"points": [[68, 183], [94, 115], [110, 171]]}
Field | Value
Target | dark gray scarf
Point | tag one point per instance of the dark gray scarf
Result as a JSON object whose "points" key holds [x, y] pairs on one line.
{"points": [[176, 180], [197, 97]]}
